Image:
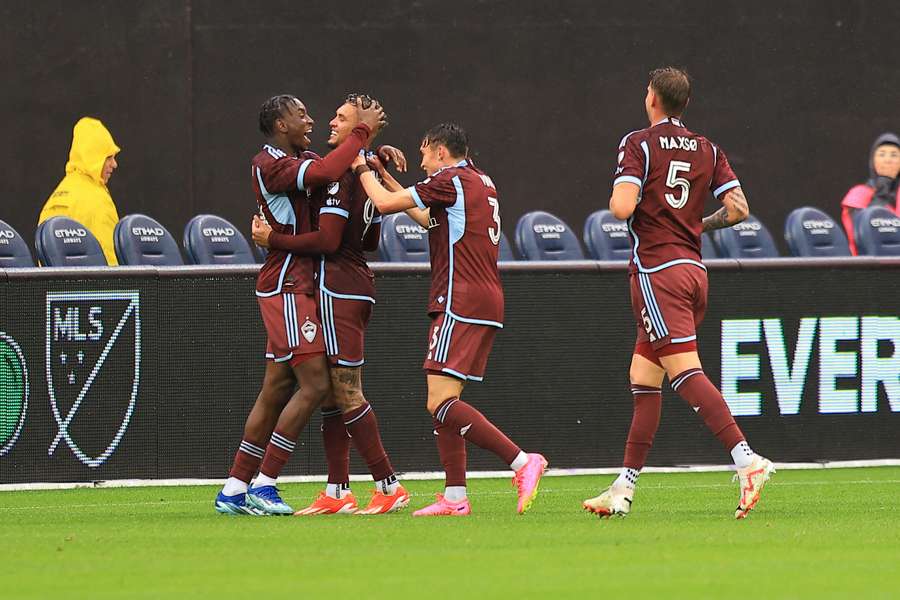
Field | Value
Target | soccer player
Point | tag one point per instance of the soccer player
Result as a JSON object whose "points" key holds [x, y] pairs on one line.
{"points": [[284, 174], [663, 177], [348, 226], [466, 306]]}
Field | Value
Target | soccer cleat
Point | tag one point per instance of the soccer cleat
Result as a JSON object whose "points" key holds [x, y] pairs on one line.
{"points": [[384, 503], [752, 479], [615, 500], [235, 505], [444, 507], [326, 505], [266, 499], [527, 479]]}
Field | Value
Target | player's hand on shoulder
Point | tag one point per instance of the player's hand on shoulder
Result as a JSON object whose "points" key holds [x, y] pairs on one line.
{"points": [[372, 115], [260, 230], [390, 154], [359, 161]]}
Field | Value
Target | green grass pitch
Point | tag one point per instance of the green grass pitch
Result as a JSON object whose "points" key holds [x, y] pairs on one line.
{"points": [[816, 534]]}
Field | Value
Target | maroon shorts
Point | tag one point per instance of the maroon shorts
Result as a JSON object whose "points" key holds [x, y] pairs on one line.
{"points": [[344, 322], [292, 326], [457, 348], [669, 305]]}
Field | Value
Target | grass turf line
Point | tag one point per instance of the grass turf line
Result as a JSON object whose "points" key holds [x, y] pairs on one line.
{"points": [[821, 533]]}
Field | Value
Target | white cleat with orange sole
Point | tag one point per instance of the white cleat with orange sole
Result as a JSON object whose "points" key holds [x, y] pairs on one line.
{"points": [[752, 479], [614, 501]]}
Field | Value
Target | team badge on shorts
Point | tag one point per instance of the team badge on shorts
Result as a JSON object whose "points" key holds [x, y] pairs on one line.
{"points": [[309, 331]]}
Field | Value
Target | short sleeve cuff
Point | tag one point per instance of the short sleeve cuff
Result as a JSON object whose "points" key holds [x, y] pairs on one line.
{"points": [[415, 197], [331, 210], [302, 172], [628, 179], [725, 187]]}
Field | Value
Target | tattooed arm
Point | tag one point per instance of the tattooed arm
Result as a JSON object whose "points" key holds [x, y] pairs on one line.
{"points": [[734, 210]]}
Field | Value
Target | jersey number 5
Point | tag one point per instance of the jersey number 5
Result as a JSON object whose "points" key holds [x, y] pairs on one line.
{"points": [[674, 181], [495, 233]]}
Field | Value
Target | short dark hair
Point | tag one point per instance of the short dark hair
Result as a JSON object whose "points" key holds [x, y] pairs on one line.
{"points": [[272, 109], [673, 87], [365, 101], [450, 135]]}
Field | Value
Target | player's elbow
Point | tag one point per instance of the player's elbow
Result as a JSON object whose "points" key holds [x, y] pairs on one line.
{"points": [[620, 211]]}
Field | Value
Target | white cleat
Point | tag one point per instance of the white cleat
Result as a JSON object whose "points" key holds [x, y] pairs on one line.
{"points": [[752, 479], [614, 501]]}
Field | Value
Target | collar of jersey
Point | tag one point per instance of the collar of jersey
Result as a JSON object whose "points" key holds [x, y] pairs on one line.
{"points": [[673, 120], [462, 163]]}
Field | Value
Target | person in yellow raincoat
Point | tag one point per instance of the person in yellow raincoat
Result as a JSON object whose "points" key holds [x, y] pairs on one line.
{"points": [[82, 194]]}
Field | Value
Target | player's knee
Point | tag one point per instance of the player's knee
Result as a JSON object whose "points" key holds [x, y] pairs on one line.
{"points": [[435, 401], [351, 401]]}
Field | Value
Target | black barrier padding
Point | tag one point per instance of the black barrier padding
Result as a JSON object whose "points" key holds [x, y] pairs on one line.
{"points": [[557, 379]]}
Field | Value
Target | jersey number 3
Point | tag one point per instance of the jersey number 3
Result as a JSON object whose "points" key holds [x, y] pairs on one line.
{"points": [[674, 181], [495, 233]]}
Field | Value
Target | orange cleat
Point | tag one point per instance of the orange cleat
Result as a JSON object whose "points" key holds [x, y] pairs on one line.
{"points": [[382, 503], [326, 505]]}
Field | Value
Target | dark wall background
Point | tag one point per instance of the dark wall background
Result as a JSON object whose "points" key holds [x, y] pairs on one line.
{"points": [[794, 91]]}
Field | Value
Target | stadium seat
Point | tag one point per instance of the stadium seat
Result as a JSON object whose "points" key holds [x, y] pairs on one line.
{"points": [[14, 252], [810, 232], [878, 232], [606, 237], [541, 236], [141, 240], [708, 247], [506, 253], [64, 242], [211, 240], [748, 239], [403, 240]]}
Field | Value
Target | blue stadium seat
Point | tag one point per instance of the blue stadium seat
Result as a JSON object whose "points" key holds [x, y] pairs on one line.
{"points": [[748, 239], [541, 236], [403, 240], [810, 232], [141, 240], [14, 252], [878, 232], [64, 242], [708, 248], [506, 253], [211, 240], [606, 237]]}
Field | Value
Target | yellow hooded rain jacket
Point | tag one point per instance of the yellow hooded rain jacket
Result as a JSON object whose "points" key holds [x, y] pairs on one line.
{"points": [[82, 195]]}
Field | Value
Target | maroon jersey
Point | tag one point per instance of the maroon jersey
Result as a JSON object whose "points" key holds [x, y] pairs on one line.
{"points": [[345, 274], [284, 203], [465, 242], [675, 170]]}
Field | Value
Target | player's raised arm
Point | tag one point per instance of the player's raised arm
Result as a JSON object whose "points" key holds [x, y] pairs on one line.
{"points": [[734, 210], [386, 201], [325, 240], [420, 216]]}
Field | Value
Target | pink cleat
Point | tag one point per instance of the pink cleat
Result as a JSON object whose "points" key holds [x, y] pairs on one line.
{"points": [[444, 507], [527, 480]]}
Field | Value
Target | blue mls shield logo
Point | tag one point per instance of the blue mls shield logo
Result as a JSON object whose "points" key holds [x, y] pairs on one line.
{"points": [[93, 358]]}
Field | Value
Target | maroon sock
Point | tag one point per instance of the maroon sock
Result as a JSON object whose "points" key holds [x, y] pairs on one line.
{"points": [[336, 441], [474, 426], [278, 452], [644, 423], [363, 428], [246, 461], [452, 448], [695, 387]]}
